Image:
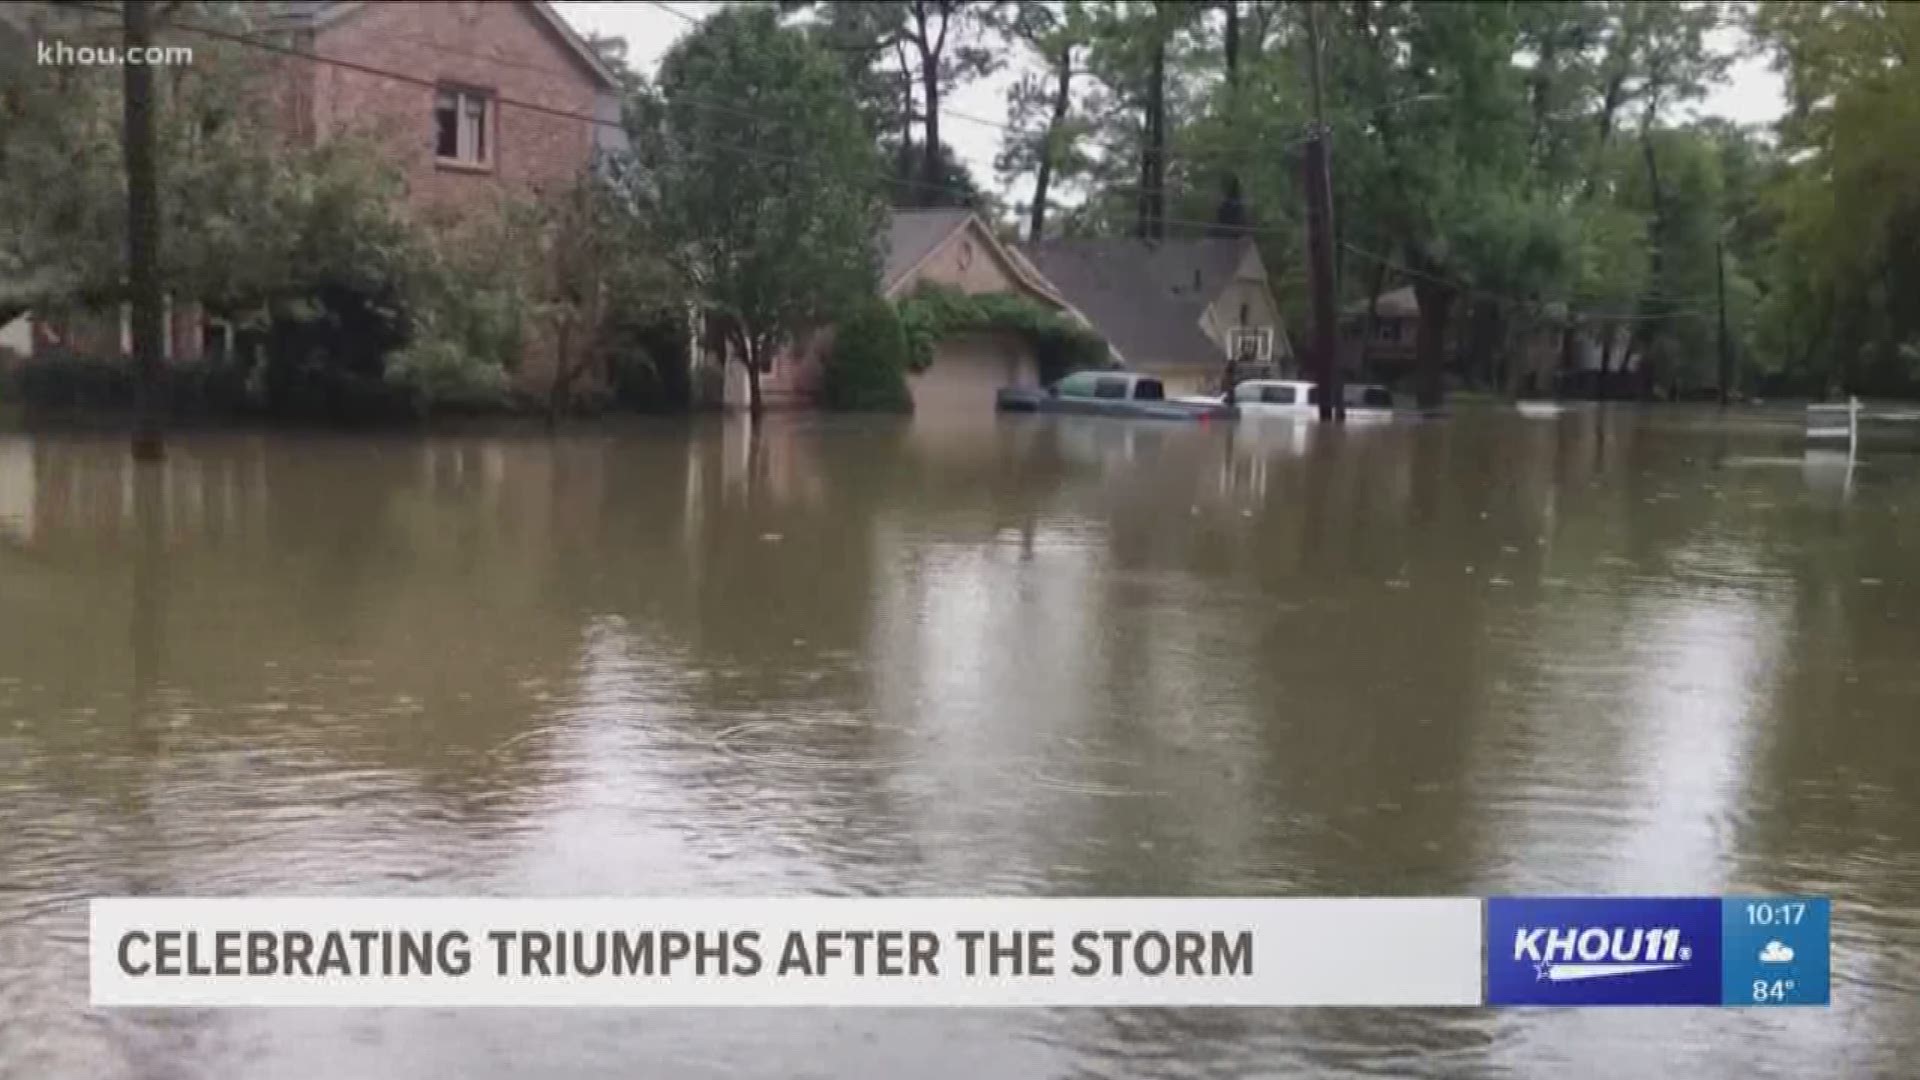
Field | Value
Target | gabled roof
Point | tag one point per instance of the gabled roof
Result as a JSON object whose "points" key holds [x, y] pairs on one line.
{"points": [[913, 236], [1397, 304], [299, 15], [1145, 297]]}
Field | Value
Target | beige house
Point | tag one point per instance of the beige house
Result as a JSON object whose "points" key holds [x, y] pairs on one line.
{"points": [[951, 248], [1178, 309]]}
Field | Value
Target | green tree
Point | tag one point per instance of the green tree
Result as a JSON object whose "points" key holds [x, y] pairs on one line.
{"points": [[220, 160], [1847, 254], [910, 55], [768, 213], [1056, 36]]}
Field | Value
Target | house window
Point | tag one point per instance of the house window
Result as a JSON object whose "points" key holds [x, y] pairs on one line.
{"points": [[460, 126], [1389, 330], [1243, 314]]}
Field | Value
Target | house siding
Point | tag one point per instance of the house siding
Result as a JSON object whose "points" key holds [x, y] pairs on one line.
{"points": [[963, 261], [503, 49]]}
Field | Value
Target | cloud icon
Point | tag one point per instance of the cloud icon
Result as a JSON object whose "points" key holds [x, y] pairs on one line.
{"points": [[1776, 953]]}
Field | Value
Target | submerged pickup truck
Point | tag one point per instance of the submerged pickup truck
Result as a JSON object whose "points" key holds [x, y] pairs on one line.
{"points": [[1110, 393]]}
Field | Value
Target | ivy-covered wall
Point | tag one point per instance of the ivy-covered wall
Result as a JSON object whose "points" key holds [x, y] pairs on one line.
{"points": [[1061, 346]]}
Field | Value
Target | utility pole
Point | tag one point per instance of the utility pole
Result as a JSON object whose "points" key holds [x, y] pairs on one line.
{"points": [[1319, 187], [143, 232], [1726, 346]]}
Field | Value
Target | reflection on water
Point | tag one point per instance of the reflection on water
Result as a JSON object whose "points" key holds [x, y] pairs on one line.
{"points": [[1606, 651]]}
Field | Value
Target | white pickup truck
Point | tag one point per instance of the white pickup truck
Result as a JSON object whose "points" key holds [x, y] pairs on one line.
{"points": [[1295, 399]]}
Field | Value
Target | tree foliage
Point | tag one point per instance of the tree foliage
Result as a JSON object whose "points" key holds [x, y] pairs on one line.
{"points": [[866, 368], [1061, 345], [768, 211], [1847, 253]]}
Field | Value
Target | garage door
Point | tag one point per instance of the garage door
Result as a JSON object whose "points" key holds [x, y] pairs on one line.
{"points": [[968, 370]]}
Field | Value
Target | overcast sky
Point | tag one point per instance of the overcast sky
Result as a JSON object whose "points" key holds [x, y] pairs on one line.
{"points": [[1752, 93]]}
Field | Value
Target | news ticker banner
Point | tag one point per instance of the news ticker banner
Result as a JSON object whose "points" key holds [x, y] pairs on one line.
{"points": [[1000, 953]]}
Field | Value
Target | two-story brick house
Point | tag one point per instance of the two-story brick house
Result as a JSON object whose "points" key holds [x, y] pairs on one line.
{"points": [[488, 99]]}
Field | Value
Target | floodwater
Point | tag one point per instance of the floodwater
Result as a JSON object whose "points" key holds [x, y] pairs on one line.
{"points": [[1609, 652]]}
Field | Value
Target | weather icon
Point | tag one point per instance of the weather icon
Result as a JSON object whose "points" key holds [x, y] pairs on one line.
{"points": [[1776, 953]]}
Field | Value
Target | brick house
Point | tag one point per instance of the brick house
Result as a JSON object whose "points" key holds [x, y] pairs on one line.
{"points": [[459, 125], [487, 102]]}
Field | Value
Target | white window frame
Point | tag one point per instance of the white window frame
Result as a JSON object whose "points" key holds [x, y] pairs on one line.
{"points": [[1262, 336], [466, 154]]}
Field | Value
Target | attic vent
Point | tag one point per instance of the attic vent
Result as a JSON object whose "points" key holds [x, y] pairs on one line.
{"points": [[1196, 279]]}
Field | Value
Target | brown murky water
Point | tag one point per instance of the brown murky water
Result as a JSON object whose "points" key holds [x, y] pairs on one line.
{"points": [[1603, 653]]}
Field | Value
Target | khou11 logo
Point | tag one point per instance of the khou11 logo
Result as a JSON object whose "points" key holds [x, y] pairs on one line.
{"points": [[1656, 951]]}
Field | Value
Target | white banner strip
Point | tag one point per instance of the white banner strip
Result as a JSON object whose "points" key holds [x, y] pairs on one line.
{"points": [[785, 952]]}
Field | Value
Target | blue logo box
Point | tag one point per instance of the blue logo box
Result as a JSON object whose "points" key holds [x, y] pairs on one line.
{"points": [[1604, 951]]}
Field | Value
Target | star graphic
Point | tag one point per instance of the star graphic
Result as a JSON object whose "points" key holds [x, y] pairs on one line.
{"points": [[1540, 971]]}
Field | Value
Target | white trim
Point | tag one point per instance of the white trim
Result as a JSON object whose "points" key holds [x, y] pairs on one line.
{"points": [[1261, 336]]}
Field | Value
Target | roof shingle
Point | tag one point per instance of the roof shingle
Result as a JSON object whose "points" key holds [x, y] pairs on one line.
{"points": [[913, 234], [1145, 297]]}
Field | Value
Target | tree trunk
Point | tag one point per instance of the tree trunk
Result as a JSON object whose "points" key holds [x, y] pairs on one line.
{"points": [[909, 163], [1436, 307], [1542, 92], [1231, 217], [1373, 316], [750, 352], [1043, 176], [930, 185], [1609, 104], [1725, 345], [1656, 257], [1482, 353], [143, 235], [557, 393], [1153, 149], [1569, 353], [1601, 389]]}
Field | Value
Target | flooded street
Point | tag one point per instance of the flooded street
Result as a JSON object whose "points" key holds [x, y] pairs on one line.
{"points": [[1610, 652]]}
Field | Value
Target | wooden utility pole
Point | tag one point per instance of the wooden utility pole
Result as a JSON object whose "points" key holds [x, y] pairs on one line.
{"points": [[143, 231], [1319, 187], [1726, 346]]}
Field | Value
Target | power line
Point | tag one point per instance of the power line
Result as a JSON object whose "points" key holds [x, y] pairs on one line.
{"points": [[671, 10], [951, 114], [958, 194], [1474, 292]]}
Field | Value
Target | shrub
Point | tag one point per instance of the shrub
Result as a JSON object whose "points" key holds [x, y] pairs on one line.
{"points": [[59, 382], [441, 377], [866, 369], [647, 360]]}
